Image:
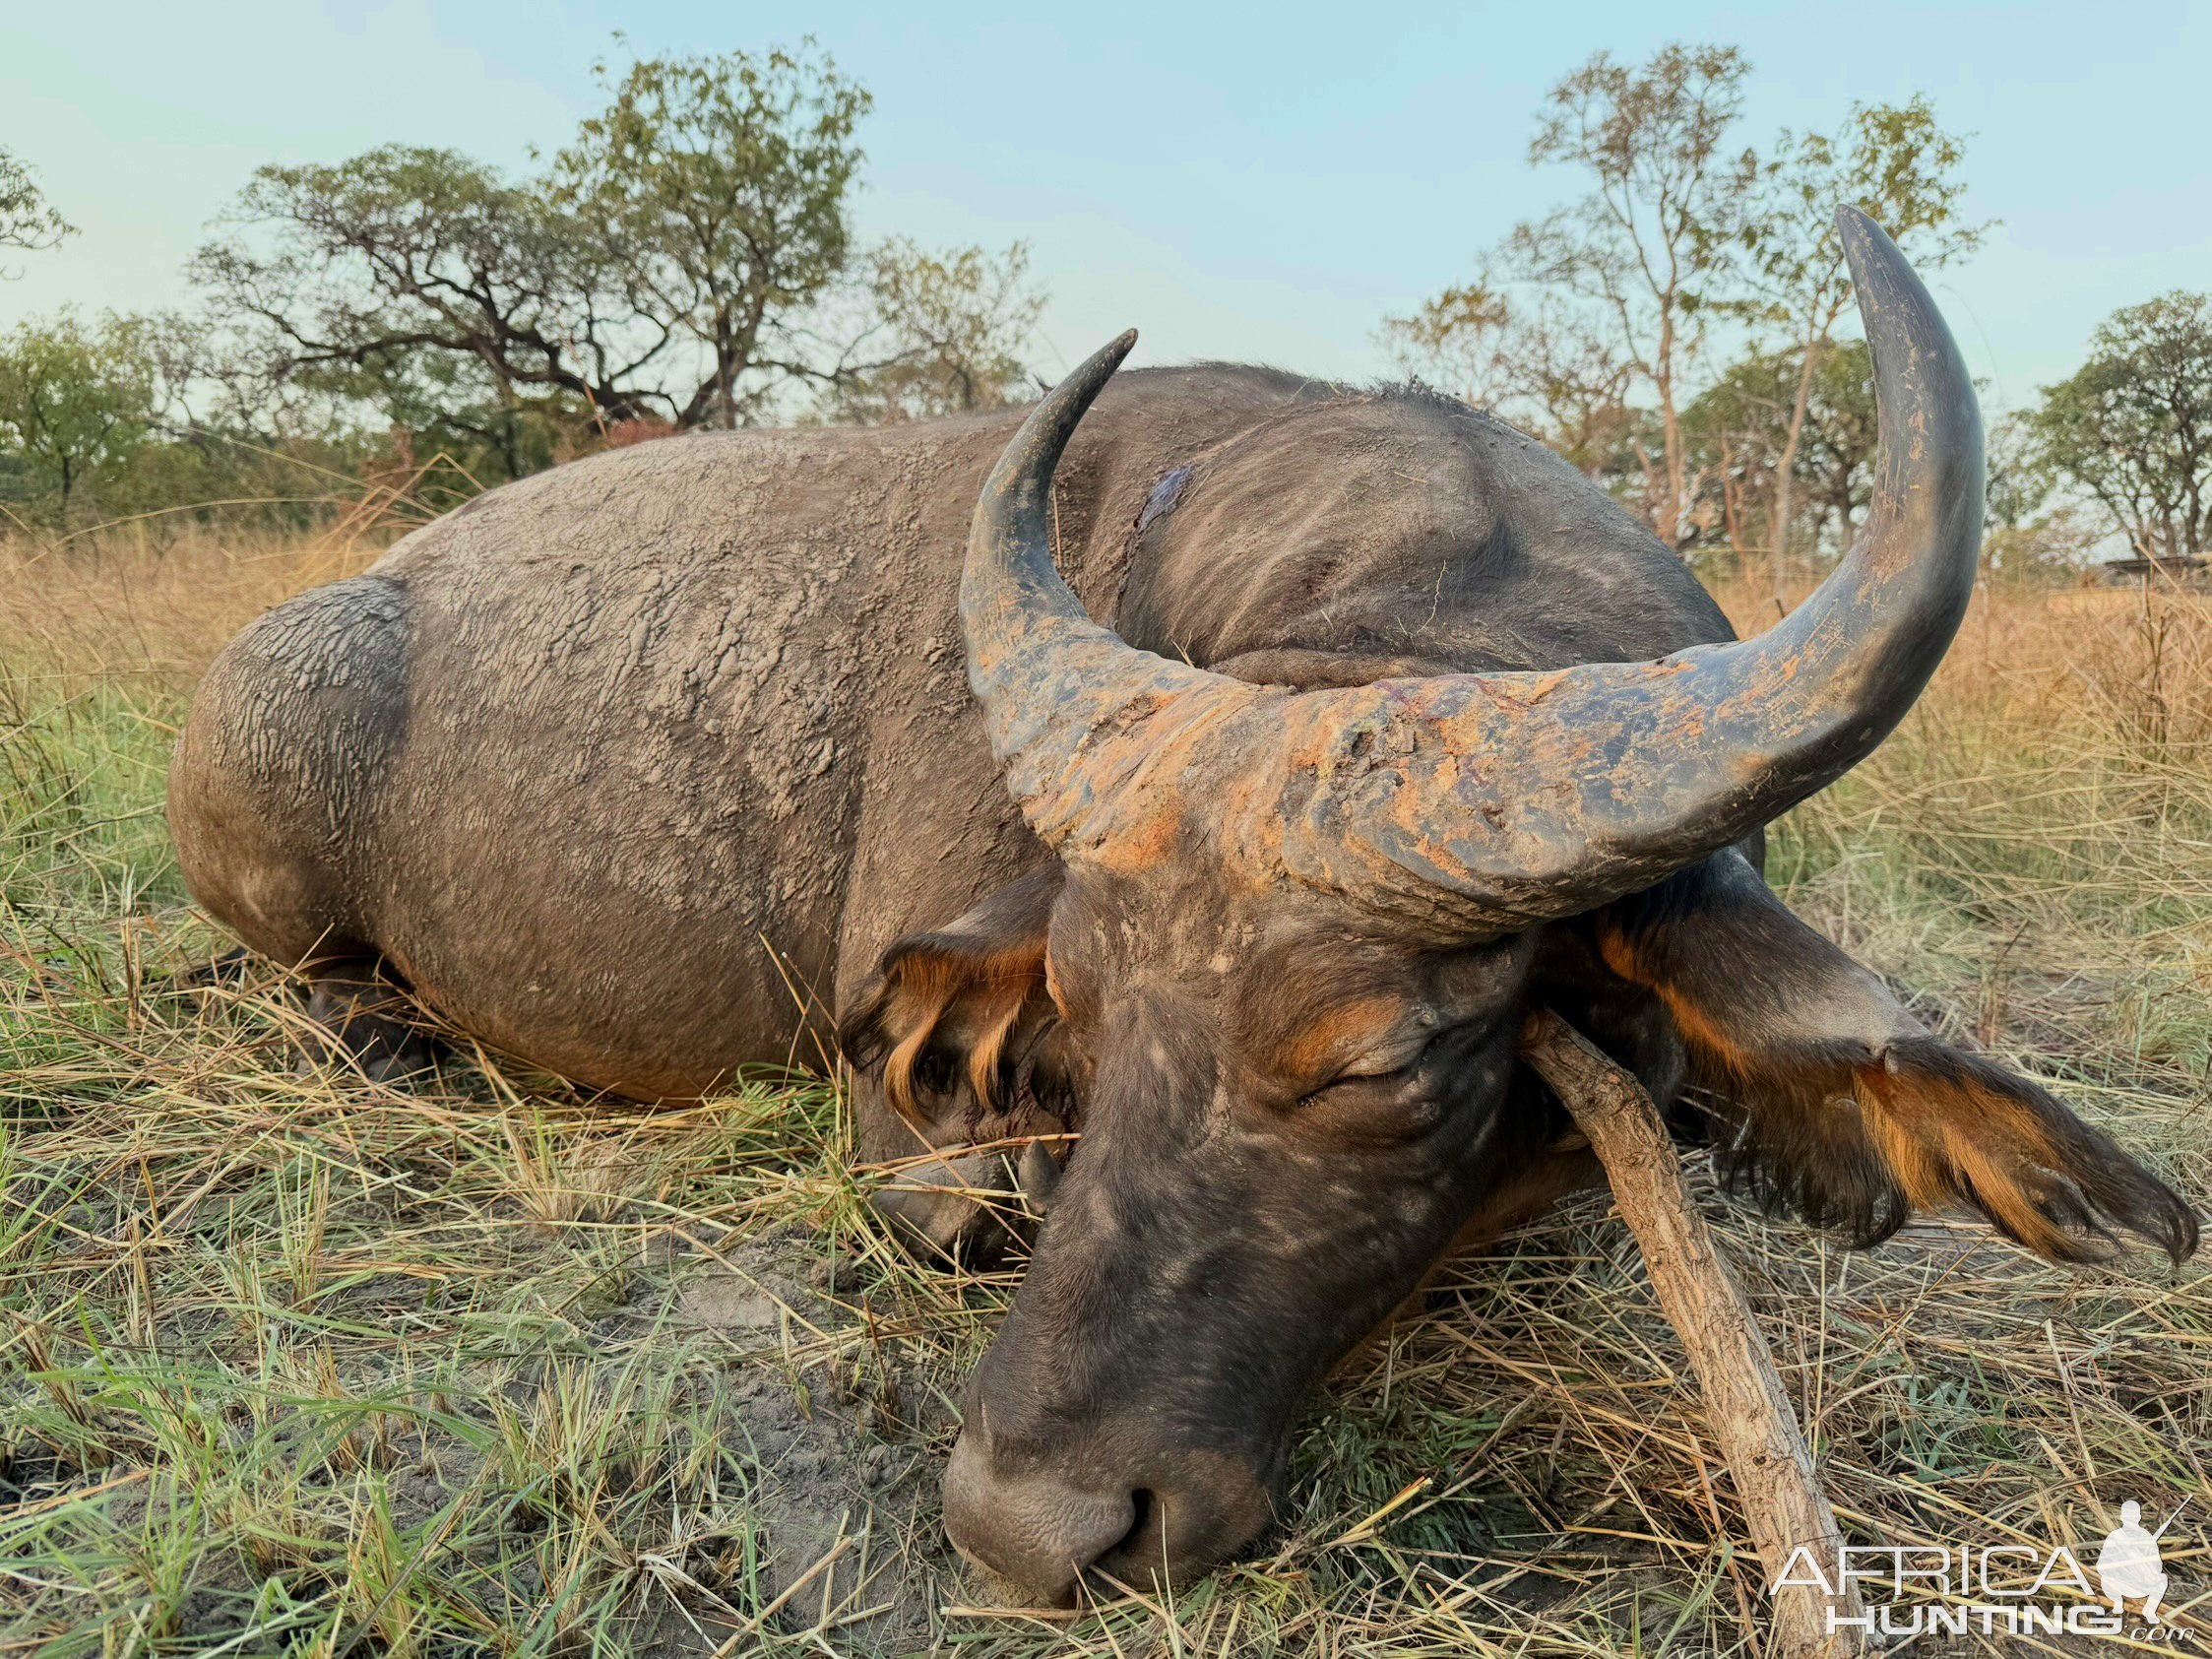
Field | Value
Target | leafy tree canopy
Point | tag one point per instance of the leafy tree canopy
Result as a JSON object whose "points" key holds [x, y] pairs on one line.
{"points": [[75, 407], [26, 220], [2131, 429], [687, 260]]}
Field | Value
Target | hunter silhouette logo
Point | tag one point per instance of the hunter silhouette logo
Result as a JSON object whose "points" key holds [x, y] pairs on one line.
{"points": [[1998, 1589], [2129, 1564]]}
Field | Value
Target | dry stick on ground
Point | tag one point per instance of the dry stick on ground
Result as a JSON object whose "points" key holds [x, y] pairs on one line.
{"points": [[1750, 1415]]}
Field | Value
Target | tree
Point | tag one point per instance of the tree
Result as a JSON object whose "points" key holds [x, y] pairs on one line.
{"points": [[1895, 164], [26, 220], [2025, 539], [687, 260], [77, 404], [1659, 227], [1763, 412], [717, 186], [948, 334], [1592, 324], [407, 275], [1535, 363], [1731, 436], [2132, 427], [1840, 433]]}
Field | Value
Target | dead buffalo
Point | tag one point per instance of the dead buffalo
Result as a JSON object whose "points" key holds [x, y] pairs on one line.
{"points": [[645, 768]]}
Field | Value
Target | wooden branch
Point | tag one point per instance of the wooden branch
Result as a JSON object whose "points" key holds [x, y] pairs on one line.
{"points": [[1750, 1416]]}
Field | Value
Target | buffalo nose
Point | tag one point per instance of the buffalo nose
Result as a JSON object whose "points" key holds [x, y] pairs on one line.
{"points": [[1038, 1530]]}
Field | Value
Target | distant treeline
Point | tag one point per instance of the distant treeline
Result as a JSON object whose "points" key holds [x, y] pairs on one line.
{"points": [[415, 322], [687, 260]]}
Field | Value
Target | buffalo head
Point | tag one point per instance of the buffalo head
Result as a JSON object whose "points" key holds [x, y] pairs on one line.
{"points": [[1291, 940]]}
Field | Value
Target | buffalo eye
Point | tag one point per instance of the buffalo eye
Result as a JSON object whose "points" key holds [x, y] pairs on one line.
{"points": [[1388, 1060], [1397, 1085]]}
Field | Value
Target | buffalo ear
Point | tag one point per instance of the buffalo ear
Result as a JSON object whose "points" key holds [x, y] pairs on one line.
{"points": [[1840, 1105], [957, 1020]]}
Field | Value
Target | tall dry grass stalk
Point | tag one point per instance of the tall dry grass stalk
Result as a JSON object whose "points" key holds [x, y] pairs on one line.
{"points": [[130, 606]]}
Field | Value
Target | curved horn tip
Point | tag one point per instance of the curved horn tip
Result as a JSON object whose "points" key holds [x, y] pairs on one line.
{"points": [[1864, 241], [1107, 359], [1008, 537], [1864, 238], [1850, 220], [1054, 421]]}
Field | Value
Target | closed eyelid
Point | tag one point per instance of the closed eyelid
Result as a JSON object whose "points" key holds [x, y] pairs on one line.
{"points": [[1345, 1033], [1394, 1053], [1386, 1053]]}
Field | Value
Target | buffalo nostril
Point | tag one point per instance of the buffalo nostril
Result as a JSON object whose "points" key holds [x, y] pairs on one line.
{"points": [[1141, 1504], [1038, 1530], [1139, 1549]]}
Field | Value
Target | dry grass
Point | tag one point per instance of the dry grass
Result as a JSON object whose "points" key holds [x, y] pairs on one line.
{"points": [[132, 608], [299, 1365]]}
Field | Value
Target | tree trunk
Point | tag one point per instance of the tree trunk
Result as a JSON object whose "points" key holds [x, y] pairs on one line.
{"points": [[1669, 521], [1778, 529], [1654, 483], [726, 382], [1732, 498]]}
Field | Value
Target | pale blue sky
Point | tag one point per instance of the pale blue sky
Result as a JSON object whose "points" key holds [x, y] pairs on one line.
{"points": [[1239, 182]]}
